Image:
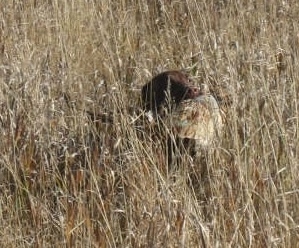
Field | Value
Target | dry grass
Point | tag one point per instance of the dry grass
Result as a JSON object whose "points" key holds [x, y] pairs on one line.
{"points": [[66, 180]]}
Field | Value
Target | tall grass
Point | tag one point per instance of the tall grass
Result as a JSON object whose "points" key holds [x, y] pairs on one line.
{"points": [[81, 168]]}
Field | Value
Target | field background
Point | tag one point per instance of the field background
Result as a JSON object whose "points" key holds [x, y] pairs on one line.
{"points": [[68, 180]]}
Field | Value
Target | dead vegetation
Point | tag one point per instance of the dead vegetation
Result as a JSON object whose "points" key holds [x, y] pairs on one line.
{"points": [[81, 168]]}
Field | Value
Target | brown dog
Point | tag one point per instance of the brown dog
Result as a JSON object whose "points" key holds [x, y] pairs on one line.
{"points": [[170, 84], [192, 113]]}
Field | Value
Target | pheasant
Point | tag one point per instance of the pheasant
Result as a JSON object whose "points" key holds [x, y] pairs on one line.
{"points": [[198, 118]]}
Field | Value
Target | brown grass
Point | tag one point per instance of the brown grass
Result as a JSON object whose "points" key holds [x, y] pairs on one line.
{"points": [[69, 181]]}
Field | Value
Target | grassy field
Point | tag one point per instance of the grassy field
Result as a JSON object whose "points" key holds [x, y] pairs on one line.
{"points": [[68, 180]]}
